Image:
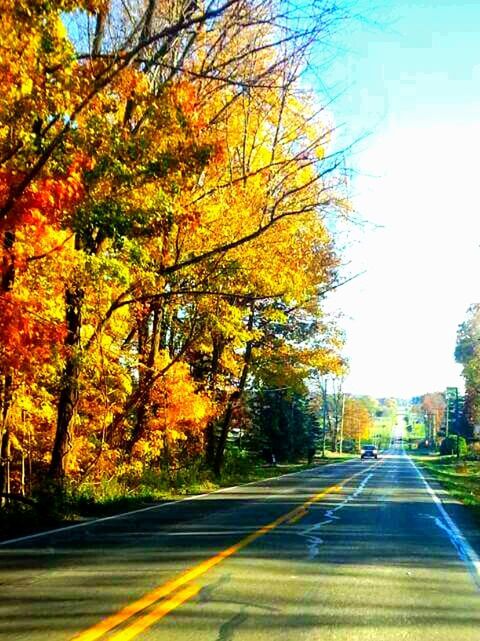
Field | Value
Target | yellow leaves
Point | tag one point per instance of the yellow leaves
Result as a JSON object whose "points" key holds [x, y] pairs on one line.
{"points": [[146, 178], [357, 421], [26, 87], [175, 435], [131, 83], [15, 443], [60, 29], [327, 362], [185, 96], [143, 448], [181, 407], [36, 60]]}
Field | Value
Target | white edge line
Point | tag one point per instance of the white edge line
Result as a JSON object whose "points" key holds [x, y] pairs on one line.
{"points": [[470, 557], [156, 507]]}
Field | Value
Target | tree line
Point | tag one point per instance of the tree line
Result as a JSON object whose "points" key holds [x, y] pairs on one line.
{"points": [[321, 420], [467, 353], [166, 182]]}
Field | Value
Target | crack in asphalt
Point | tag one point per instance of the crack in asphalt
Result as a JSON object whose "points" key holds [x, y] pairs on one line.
{"points": [[227, 629], [313, 540]]}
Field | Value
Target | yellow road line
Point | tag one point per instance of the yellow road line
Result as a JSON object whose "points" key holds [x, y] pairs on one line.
{"points": [[299, 515], [105, 625], [302, 511], [142, 623]]}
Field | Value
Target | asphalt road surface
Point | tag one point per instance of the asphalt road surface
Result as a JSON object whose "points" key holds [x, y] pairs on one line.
{"points": [[359, 551]]}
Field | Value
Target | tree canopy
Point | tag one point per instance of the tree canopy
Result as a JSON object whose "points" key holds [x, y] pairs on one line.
{"points": [[165, 179]]}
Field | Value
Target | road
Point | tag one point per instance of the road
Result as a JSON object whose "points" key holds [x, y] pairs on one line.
{"points": [[359, 551]]}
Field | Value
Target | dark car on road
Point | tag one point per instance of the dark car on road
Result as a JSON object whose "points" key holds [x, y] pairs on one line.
{"points": [[369, 451]]}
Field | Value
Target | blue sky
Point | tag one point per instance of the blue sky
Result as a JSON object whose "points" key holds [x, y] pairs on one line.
{"points": [[407, 77]]}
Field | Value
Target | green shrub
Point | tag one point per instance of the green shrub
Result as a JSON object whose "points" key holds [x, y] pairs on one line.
{"points": [[349, 445], [238, 461], [450, 444]]}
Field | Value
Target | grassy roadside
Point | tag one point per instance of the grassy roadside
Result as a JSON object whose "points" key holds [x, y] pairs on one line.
{"points": [[259, 473], [114, 497], [459, 477]]}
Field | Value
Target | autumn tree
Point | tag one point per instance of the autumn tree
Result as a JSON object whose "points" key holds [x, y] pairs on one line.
{"points": [[36, 70], [433, 407], [358, 421], [467, 353], [164, 183]]}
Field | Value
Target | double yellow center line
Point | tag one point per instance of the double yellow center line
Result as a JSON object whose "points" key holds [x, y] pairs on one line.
{"points": [[185, 580]]}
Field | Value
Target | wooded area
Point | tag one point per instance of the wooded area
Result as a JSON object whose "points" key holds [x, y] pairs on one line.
{"points": [[166, 184]]}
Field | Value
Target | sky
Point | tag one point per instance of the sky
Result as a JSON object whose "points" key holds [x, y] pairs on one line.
{"points": [[405, 85]]}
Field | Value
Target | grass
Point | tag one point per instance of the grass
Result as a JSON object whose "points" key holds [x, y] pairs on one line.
{"points": [[418, 432], [114, 496], [459, 477]]}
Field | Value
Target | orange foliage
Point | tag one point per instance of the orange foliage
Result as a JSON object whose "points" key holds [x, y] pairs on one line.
{"points": [[166, 209], [178, 414]]}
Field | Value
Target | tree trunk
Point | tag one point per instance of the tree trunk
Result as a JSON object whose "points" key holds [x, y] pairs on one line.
{"points": [[145, 35], [8, 262], [6, 401], [222, 440], [234, 398], [141, 394], [210, 444], [6, 285], [148, 344], [141, 410], [100, 24], [69, 388], [218, 345]]}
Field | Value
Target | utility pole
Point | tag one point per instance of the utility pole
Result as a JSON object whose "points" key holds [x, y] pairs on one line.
{"points": [[324, 416], [446, 414], [341, 424]]}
